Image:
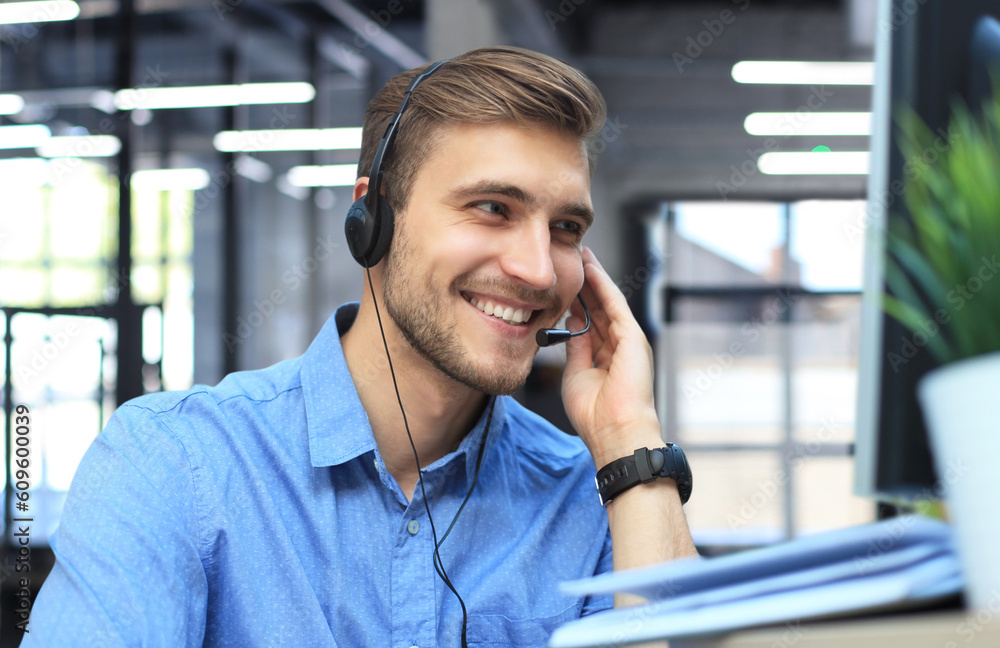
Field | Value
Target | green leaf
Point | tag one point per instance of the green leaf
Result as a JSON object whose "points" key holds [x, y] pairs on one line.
{"points": [[914, 320], [952, 196]]}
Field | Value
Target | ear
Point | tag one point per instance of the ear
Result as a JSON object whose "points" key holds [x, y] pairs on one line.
{"points": [[360, 187]]}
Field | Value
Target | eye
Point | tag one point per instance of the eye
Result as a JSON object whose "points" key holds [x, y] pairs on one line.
{"points": [[569, 226], [492, 207]]}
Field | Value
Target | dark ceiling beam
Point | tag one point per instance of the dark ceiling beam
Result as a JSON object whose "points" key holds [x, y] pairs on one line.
{"points": [[369, 30], [228, 33]]}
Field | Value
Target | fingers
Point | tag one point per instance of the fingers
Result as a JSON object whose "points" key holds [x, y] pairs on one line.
{"points": [[579, 349], [609, 298]]}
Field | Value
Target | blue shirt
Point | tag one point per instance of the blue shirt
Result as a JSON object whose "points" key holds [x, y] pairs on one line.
{"points": [[259, 512]]}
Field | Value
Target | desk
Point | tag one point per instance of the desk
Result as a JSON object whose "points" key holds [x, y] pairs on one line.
{"points": [[951, 629]]}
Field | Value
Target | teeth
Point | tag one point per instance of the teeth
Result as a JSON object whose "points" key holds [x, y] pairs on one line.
{"points": [[506, 313]]}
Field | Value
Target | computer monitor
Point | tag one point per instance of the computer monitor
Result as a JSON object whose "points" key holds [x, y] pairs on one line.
{"points": [[928, 53]]}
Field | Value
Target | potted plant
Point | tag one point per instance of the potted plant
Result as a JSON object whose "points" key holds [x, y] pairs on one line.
{"points": [[943, 270]]}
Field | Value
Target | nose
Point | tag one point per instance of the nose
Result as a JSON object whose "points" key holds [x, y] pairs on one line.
{"points": [[528, 257]]}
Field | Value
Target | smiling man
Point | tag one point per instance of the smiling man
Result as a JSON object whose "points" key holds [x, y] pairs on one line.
{"points": [[313, 504]]}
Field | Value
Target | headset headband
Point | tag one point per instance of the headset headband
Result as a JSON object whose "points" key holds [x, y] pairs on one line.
{"points": [[375, 176]]}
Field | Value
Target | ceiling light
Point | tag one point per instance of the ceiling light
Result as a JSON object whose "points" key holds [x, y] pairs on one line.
{"points": [[804, 72], [24, 172], [814, 163], [253, 169], [10, 104], [331, 175], [809, 123], [170, 179], [30, 136], [80, 146], [291, 139], [208, 96], [34, 12]]}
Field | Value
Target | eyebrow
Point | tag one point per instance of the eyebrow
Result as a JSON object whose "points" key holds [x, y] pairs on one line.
{"points": [[573, 208]]}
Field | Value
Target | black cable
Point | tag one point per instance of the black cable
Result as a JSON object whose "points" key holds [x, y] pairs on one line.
{"points": [[438, 564], [475, 474]]}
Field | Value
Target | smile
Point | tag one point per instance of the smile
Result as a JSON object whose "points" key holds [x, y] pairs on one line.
{"points": [[509, 314]]}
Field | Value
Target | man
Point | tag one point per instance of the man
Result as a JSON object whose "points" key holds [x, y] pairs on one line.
{"points": [[285, 506]]}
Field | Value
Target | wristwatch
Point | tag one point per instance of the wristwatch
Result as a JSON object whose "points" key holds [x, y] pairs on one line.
{"points": [[642, 467]]}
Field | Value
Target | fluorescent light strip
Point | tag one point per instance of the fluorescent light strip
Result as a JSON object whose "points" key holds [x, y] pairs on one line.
{"points": [[29, 136], [331, 175], [292, 139], [804, 72], [814, 123], [12, 13], [210, 96], [814, 163], [170, 179], [11, 104], [253, 169], [80, 146], [24, 172]]}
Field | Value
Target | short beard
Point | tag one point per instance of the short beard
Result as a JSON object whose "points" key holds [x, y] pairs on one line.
{"points": [[420, 317]]}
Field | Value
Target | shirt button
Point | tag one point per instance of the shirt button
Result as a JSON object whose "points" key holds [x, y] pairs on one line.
{"points": [[413, 526]]}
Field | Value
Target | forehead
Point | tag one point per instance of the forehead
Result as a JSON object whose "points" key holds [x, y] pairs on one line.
{"points": [[543, 161]]}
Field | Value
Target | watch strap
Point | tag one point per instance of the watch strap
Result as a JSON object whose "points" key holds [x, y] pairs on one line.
{"points": [[643, 467]]}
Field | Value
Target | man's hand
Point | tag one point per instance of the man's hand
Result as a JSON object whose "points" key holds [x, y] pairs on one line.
{"points": [[608, 382], [608, 395]]}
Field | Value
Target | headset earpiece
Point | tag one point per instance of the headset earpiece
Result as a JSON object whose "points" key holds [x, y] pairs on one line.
{"points": [[369, 235], [382, 236]]}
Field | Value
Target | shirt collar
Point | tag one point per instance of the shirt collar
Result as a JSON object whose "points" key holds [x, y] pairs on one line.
{"points": [[339, 429]]}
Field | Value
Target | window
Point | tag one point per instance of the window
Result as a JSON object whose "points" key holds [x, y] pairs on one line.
{"points": [[760, 316], [58, 287]]}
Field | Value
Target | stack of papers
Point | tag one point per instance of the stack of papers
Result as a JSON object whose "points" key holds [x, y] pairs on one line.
{"points": [[901, 562]]}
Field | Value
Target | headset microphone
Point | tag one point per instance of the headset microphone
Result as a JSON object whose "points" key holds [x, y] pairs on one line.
{"points": [[548, 337]]}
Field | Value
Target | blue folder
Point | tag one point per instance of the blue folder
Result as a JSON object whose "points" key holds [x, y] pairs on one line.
{"points": [[896, 563]]}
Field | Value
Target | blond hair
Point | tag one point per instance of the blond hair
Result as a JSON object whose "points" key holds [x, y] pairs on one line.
{"points": [[490, 84]]}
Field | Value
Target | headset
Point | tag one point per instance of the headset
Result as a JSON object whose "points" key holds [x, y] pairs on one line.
{"points": [[370, 220], [369, 228]]}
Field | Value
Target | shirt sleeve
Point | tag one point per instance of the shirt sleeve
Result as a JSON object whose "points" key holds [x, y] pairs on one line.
{"points": [[129, 570], [592, 604]]}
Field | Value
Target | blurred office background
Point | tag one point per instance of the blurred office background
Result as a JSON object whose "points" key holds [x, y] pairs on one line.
{"points": [[227, 255]]}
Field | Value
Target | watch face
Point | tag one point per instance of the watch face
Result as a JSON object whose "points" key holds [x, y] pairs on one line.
{"points": [[682, 471]]}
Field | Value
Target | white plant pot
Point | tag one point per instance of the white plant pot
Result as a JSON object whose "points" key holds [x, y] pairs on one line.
{"points": [[961, 405]]}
